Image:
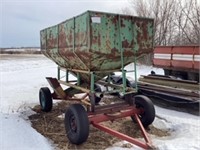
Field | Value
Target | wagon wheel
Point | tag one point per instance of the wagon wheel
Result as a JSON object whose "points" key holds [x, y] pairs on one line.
{"points": [[46, 101], [76, 124], [148, 111]]}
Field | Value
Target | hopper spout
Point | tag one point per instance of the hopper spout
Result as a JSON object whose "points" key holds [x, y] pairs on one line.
{"points": [[98, 94]]}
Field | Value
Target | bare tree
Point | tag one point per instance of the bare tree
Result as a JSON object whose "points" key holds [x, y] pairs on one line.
{"points": [[176, 22], [189, 22]]}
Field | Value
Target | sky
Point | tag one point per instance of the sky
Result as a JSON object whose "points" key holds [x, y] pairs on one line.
{"points": [[22, 20]]}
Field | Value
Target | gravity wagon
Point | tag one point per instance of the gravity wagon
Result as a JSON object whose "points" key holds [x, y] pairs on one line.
{"points": [[92, 47]]}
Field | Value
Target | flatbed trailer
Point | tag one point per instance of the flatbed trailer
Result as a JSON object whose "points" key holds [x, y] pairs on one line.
{"points": [[179, 61]]}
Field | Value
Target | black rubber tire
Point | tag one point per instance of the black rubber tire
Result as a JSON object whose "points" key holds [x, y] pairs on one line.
{"points": [[148, 116], [76, 124], [45, 97]]}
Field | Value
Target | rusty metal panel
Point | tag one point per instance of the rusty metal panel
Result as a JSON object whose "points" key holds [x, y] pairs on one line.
{"points": [[143, 34], [73, 32], [65, 34], [52, 38], [81, 32], [104, 33], [115, 32], [49, 47], [73, 41], [94, 41], [43, 39]]}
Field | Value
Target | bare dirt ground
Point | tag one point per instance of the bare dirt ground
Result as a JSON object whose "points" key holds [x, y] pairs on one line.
{"points": [[51, 125]]}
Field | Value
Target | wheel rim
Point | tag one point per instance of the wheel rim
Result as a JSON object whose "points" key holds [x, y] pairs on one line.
{"points": [[73, 124]]}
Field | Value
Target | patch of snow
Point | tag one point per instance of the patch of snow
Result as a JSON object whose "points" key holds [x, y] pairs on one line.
{"points": [[16, 133], [141, 70], [185, 129], [21, 80]]}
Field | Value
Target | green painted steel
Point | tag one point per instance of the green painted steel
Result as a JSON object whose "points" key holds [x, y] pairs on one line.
{"points": [[97, 41], [92, 82]]}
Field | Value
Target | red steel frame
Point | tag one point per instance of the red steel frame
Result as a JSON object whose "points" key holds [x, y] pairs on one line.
{"points": [[95, 120], [107, 113]]}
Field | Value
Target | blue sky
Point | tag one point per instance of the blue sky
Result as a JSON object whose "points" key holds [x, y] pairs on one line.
{"points": [[22, 20]]}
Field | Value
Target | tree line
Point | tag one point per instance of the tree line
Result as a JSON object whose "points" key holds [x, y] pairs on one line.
{"points": [[176, 22]]}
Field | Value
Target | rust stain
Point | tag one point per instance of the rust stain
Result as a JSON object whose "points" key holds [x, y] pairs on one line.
{"points": [[125, 44], [99, 39], [62, 37], [122, 23], [115, 20], [51, 42]]}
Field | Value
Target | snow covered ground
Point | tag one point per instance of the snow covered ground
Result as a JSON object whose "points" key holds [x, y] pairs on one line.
{"points": [[21, 77]]}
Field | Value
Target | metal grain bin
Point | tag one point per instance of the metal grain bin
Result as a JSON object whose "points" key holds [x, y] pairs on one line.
{"points": [[95, 41]]}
